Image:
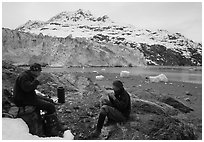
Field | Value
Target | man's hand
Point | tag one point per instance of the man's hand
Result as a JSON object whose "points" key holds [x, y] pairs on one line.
{"points": [[112, 95], [40, 78], [105, 101]]}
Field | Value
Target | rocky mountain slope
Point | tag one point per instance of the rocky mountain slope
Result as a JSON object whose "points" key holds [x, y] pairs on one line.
{"points": [[159, 47]]}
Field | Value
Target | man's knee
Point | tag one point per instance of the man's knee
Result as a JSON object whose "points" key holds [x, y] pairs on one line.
{"points": [[51, 108], [105, 102], [47, 106], [105, 109]]}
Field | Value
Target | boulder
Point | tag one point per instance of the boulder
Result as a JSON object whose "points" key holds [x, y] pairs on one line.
{"points": [[176, 104], [139, 105], [34, 121], [151, 103]]}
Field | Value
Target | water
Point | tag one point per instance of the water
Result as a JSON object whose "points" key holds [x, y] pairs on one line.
{"points": [[184, 74]]}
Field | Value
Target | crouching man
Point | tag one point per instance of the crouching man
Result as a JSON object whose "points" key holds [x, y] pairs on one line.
{"points": [[117, 109], [25, 95]]}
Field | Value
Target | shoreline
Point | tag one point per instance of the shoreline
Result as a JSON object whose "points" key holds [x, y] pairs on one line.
{"points": [[184, 75]]}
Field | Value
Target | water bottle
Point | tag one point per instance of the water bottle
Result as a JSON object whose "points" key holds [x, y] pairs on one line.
{"points": [[61, 95]]}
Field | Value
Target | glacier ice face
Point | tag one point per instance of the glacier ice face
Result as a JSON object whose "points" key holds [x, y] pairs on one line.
{"points": [[25, 48]]}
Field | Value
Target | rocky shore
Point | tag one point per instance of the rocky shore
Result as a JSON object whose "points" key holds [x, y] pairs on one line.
{"points": [[171, 110]]}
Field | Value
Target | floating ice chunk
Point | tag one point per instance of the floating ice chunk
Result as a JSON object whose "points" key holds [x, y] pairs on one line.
{"points": [[99, 77], [159, 78], [124, 74]]}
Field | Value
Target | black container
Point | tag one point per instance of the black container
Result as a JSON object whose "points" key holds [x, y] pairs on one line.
{"points": [[61, 95]]}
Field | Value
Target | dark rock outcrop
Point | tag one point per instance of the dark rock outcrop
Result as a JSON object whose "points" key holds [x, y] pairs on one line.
{"points": [[163, 56], [176, 104]]}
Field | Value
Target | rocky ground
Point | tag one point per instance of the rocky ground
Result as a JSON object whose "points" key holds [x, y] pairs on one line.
{"points": [[170, 110]]}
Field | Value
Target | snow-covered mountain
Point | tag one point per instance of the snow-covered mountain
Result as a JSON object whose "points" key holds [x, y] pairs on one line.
{"points": [[159, 47]]}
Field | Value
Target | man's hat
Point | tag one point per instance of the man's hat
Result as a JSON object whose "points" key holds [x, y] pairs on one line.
{"points": [[118, 84], [35, 67]]}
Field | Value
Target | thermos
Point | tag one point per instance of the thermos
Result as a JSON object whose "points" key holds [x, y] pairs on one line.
{"points": [[61, 95]]}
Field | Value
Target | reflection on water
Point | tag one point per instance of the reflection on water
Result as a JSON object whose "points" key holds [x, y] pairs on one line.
{"points": [[185, 74]]}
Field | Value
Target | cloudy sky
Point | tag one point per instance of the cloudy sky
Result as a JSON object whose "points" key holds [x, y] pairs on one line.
{"points": [[183, 17]]}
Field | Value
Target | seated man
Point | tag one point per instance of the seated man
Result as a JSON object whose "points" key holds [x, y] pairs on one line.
{"points": [[117, 110], [25, 95]]}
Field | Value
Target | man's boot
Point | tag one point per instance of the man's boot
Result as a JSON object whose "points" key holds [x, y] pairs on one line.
{"points": [[100, 123], [53, 126], [109, 122], [62, 127]]}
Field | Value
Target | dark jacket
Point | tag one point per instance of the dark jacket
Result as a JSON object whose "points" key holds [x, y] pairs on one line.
{"points": [[24, 89], [122, 103]]}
